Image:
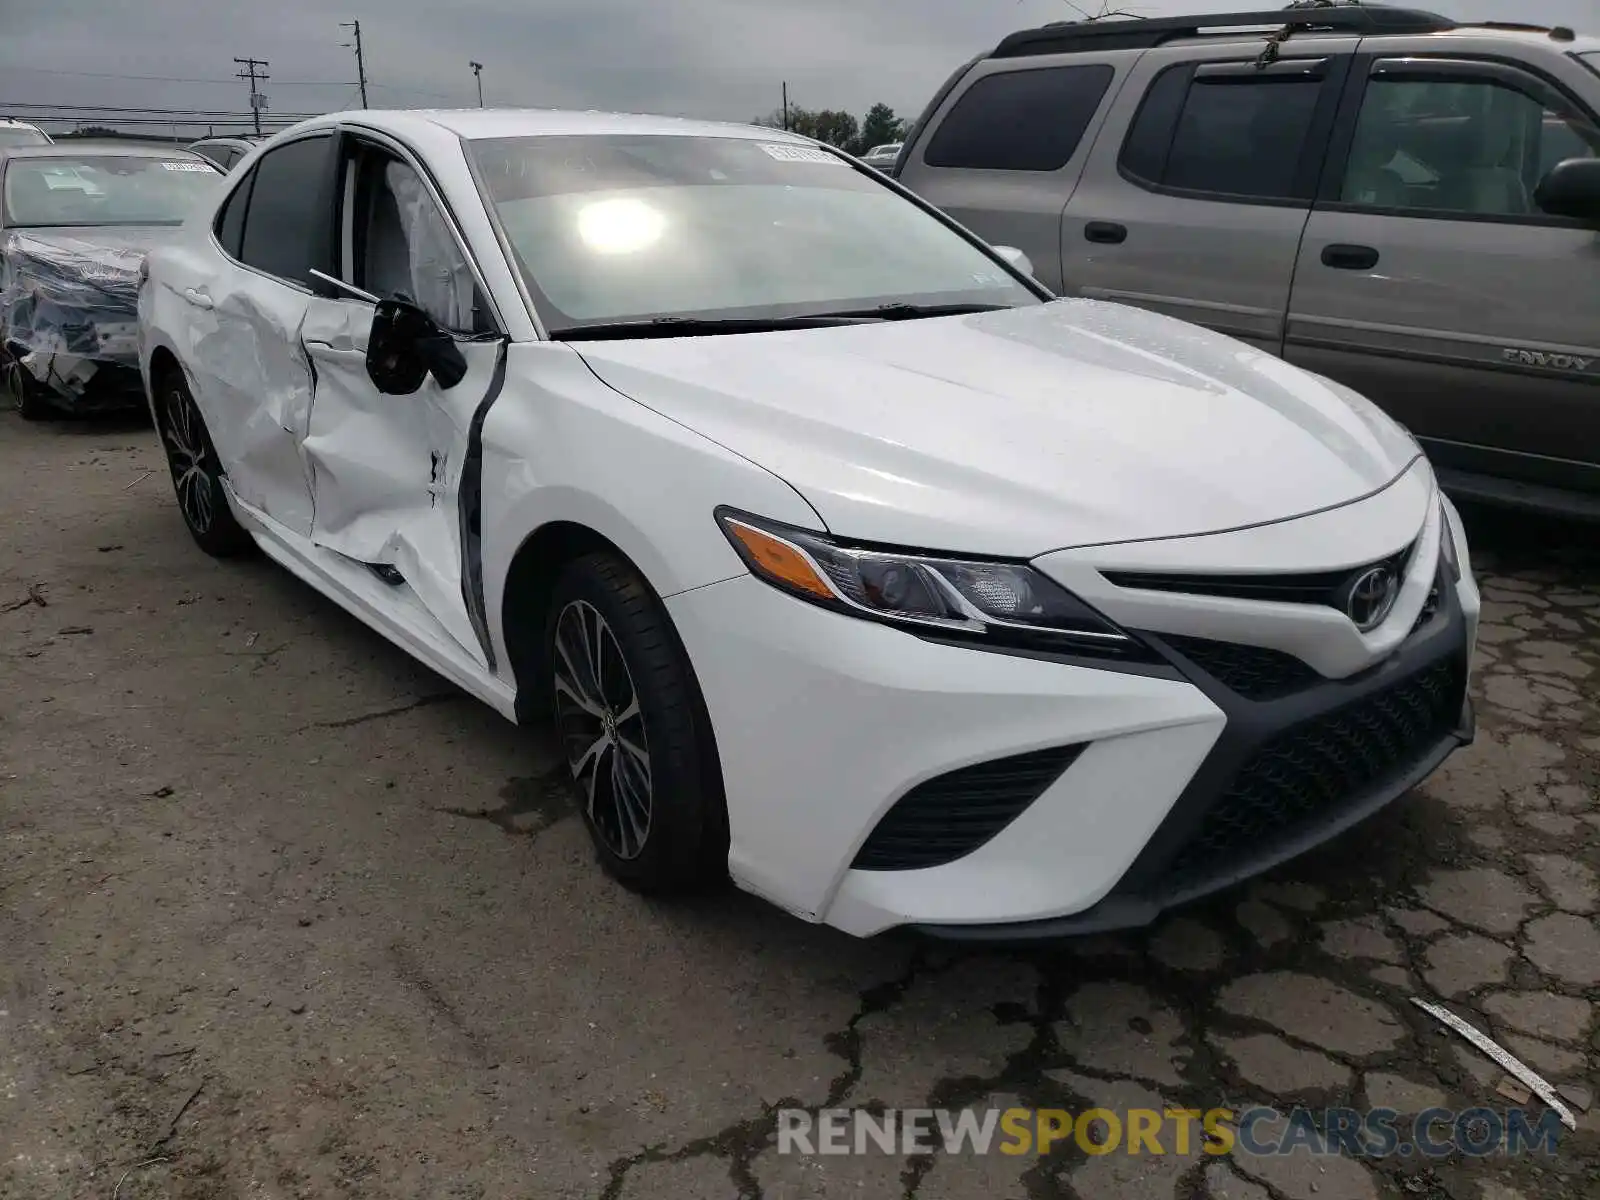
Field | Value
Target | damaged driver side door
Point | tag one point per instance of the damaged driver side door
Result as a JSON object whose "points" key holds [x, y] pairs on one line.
{"points": [[394, 487]]}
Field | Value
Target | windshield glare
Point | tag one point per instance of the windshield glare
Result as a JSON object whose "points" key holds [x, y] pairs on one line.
{"points": [[104, 190], [631, 227]]}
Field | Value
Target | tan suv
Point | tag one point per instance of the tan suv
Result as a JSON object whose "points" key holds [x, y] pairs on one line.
{"points": [[1405, 203]]}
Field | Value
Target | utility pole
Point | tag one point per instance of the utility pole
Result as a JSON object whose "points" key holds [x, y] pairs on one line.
{"points": [[477, 73], [257, 100], [361, 62], [786, 106]]}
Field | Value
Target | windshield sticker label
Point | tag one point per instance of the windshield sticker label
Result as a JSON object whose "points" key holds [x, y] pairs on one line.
{"points": [[801, 154], [185, 166]]}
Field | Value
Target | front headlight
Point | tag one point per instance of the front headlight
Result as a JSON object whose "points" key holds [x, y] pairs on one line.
{"points": [[988, 602]]}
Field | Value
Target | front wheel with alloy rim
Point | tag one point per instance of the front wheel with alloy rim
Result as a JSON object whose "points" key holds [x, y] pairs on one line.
{"points": [[196, 471], [634, 730]]}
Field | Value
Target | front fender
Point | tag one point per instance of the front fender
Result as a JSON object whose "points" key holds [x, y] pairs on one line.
{"points": [[560, 445]]}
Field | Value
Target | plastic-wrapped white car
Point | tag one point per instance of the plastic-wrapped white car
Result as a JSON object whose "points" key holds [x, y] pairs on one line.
{"points": [[848, 561]]}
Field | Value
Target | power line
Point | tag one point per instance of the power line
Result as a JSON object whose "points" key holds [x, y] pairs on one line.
{"points": [[200, 113], [13, 70], [361, 62]]}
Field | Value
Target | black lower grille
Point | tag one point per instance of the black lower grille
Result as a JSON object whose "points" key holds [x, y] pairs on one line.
{"points": [[1310, 769], [1255, 672], [951, 815]]}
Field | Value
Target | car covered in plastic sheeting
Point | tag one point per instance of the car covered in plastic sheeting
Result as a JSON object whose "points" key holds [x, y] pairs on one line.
{"points": [[75, 225]]}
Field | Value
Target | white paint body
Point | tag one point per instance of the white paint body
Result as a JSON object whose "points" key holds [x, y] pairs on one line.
{"points": [[1081, 435]]}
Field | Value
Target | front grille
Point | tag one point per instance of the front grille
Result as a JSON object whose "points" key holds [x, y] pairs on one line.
{"points": [[1310, 770], [1315, 587], [1254, 672], [951, 815]]}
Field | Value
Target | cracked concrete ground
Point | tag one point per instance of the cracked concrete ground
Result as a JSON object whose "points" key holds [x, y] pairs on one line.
{"points": [[283, 916]]}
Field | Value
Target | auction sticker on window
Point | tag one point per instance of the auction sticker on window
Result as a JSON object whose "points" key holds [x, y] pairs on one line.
{"points": [[185, 166], [806, 154]]}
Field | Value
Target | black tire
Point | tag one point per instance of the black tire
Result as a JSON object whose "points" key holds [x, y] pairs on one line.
{"points": [[196, 471], [27, 394], [684, 845]]}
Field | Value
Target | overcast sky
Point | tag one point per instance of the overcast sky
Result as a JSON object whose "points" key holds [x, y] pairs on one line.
{"points": [[709, 58]]}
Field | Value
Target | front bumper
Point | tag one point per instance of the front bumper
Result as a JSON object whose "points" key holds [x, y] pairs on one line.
{"points": [[1171, 784]]}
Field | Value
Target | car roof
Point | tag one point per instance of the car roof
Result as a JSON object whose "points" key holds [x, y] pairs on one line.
{"points": [[226, 139], [1356, 20], [476, 123], [19, 122]]}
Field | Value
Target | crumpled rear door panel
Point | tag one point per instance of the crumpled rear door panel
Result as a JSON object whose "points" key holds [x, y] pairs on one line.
{"points": [[387, 470]]}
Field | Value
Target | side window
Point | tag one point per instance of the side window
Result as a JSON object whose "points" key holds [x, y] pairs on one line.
{"points": [[229, 226], [1238, 136], [1020, 120], [1476, 147], [402, 245], [287, 225]]}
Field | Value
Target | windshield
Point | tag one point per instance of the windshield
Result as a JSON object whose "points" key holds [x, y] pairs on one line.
{"points": [[625, 227], [21, 135], [104, 190]]}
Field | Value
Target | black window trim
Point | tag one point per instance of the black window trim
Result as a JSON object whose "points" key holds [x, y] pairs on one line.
{"points": [[1331, 65], [365, 134], [1516, 73], [1086, 139], [328, 132]]}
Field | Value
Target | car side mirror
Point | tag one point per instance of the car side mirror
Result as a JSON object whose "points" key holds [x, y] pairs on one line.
{"points": [[1571, 189], [1016, 258], [405, 345]]}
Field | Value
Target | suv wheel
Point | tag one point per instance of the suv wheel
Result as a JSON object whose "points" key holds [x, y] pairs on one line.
{"points": [[196, 471], [634, 730]]}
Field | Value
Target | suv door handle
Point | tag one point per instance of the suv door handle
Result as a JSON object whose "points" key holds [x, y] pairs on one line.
{"points": [[1349, 258], [198, 298], [1108, 233]]}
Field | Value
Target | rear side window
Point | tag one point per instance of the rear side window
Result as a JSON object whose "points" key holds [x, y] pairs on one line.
{"points": [[1228, 135], [1020, 120], [230, 218], [286, 229]]}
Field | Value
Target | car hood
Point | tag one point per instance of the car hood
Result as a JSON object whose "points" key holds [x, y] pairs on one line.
{"points": [[83, 267], [1021, 431]]}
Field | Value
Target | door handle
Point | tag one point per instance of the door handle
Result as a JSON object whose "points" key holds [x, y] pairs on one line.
{"points": [[198, 298], [1349, 258], [1108, 233]]}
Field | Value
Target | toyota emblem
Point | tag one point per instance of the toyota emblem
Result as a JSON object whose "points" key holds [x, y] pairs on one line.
{"points": [[1371, 597]]}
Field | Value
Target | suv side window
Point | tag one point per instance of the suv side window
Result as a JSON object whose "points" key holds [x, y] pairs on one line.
{"points": [[1473, 148], [1020, 120], [1229, 135], [402, 245], [287, 224]]}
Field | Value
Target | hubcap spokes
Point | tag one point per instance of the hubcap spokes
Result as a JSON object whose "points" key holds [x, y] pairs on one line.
{"points": [[186, 456], [602, 728]]}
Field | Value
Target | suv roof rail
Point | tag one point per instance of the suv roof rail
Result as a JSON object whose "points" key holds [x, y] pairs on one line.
{"points": [[1064, 37]]}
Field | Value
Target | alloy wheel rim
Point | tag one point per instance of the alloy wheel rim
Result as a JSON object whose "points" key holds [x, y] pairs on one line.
{"points": [[602, 728], [187, 457]]}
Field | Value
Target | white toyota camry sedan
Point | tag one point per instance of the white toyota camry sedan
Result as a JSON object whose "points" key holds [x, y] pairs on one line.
{"points": [[846, 561]]}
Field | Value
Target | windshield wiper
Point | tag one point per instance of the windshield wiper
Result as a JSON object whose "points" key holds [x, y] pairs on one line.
{"points": [[900, 310], [699, 326]]}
